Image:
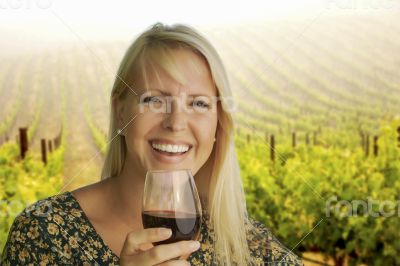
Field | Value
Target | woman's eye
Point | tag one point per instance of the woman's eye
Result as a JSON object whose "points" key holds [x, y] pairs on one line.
{"points": [[152, 99], [201, 104]]}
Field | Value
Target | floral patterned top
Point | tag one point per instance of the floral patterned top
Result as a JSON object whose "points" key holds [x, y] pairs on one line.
{"points": [[56, 231]]}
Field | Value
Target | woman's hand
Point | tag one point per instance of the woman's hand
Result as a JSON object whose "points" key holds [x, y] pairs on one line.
{"points": [[134, 252]]}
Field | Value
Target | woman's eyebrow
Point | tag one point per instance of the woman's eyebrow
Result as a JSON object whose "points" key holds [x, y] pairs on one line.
{"points": [[193, 95]]}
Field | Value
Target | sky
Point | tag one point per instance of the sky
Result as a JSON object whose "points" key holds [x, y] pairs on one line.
{"points": [[39, 23]]}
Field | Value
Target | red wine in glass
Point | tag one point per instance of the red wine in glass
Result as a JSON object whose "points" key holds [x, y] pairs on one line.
{"points": [[184, 226], [170, 200]]}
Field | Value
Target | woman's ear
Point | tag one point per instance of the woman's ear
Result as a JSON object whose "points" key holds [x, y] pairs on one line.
{"points": [[119, 108]]}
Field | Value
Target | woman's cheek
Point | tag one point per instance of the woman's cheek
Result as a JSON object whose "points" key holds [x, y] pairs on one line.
{"points": [[206, 126]]}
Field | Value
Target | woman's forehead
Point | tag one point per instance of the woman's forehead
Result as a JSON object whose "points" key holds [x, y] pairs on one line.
{"points": [[176, 70]]}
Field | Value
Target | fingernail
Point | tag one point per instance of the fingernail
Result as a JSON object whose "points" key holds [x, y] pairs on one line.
{"points": [[194, 245], [165, 232]]}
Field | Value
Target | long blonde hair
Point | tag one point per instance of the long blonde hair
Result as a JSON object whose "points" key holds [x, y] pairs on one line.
{"points": [[226, 200]]}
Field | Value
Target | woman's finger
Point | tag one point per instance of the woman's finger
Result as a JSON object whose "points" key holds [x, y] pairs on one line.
{"points": [[184, 257], [175, 263], [135, 238], [168, 252]]}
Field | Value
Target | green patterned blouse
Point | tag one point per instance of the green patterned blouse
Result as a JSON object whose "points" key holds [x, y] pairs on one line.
{"points": [[56, 231]]}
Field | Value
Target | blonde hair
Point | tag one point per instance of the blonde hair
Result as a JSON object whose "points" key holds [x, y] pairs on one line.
{"points": [[226, 199]]}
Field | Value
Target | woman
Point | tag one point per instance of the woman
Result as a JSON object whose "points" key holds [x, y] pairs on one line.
{"points": [[169, 111]]}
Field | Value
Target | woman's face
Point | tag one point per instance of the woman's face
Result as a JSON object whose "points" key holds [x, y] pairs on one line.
{"points": [[175, 122]]}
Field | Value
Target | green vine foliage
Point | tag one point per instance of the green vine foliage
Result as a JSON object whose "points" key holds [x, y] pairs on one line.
{"points": [[329, 189], [23, 182]]}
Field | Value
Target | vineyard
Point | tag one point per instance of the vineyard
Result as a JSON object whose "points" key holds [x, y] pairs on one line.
{"points": [[318, 126]]}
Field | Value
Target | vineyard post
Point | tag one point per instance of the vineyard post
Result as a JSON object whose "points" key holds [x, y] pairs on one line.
{"points": [[362, 139], [375, 145], [294, 140], [272, 148], [398, 137], [7, 138], [57, 140], [367, 146], [23, 140], [50, 145], [307, 139], [315, 138], [248, 138], [44, 155]]}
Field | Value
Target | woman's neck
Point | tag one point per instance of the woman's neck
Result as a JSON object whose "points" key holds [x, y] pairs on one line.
{"points": [[127, 190]]}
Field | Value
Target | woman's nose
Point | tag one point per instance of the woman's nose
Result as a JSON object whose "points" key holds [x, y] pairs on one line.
{"points": [[175, 117]]}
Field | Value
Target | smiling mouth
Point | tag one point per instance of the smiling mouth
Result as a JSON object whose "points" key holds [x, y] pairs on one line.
{"points": [[170, 150]]}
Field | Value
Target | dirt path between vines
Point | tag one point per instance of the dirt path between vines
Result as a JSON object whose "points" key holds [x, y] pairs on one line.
{"points": [[83, 161]]}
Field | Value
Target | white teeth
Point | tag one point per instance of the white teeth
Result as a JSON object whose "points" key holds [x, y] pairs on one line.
{"points": [[170, 148]]}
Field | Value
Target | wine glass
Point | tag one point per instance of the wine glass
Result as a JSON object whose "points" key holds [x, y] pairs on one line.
{"points": [[171, 200]]}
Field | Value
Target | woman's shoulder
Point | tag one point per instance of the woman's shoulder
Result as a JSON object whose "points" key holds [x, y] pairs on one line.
{"points": [[37, 233], [44, 210], [263, 243]]}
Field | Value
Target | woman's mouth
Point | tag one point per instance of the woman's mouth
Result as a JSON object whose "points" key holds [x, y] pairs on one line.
{"points": [[171, 153]]}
